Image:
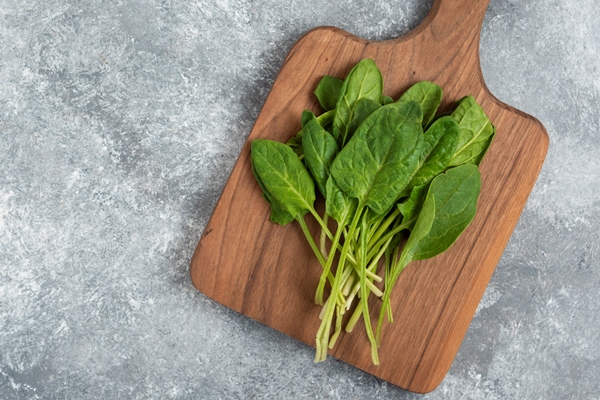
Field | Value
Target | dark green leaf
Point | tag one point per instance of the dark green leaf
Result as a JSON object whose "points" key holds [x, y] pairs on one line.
{"points": [[428, 95], [328, 91], [439, 146], [363, 81], [295, 143], [456, 193], [411, 207], [387, 100], [320, 149], [305, 118], [479, 157], [475, 132], [326, 118], [364, 108], [381, 157], [283, 175], [421, 229], [278, 214], [337, 204]]}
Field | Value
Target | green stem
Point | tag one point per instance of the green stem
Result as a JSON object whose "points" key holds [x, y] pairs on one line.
{"points": [[313, 246], [338, 326], [321, 222], [355, 289], [323, 237], [322, 338], [327, 269], [396, 271], [369, 275], [347, 284], [383, 227], [387, 236], [364, 292], [354, 318]]}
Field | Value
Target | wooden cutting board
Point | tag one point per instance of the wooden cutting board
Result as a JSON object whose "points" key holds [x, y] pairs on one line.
{"points": [[269, 273]]}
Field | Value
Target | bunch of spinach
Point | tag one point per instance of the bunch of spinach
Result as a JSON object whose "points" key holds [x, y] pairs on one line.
{"points": [[400, 183]]}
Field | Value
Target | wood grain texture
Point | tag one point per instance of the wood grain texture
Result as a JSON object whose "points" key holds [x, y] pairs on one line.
{"points": [[268, 272]]}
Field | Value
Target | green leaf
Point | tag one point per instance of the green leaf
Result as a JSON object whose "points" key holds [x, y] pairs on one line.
{"points": [[278, 214], [295, 144], [338, 205], [382, 156], [428, 95], [305, 118], [479, 157], [326, 118], [320, 149], [411, 207], [439, 145], [421, 229], [284, 177], [387, 100], [456, 193], [475, 132], [363, 81], [364, 108], [328, 91]]}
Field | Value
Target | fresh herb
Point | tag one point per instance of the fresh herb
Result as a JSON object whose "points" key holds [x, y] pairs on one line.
{"points": [[400, 182]]}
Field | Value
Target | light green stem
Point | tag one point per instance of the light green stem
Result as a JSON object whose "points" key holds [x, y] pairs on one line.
{"points": [[313, 246], [396, 271], [322, 338], [321, 222], [358, 311], [354, 318], [327, 269], [364, 292], [383, 227], [338, 326], [323, 237], [387, 236]]}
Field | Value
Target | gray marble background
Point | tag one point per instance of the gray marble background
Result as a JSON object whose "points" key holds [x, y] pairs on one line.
{"points": [[119, 125]]}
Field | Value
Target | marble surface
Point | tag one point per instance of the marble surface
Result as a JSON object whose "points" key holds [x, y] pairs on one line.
{"points": [[119, 125]]}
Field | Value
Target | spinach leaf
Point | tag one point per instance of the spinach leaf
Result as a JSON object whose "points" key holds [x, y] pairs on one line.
{"points": [[475, 132], [428, 95], [328, 91], [278, 214], [411, 207], [387, 100], [422, 227], [320, 148], [477, 159], [295, 143], [380, 159], [337, 204], [456, 193], [440, 143], [326, 118], [284, 177], [364, 108], [363, 81]]}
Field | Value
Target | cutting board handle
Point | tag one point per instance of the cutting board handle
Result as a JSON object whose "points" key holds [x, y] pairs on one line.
{"points": [[449, 38], [447, 16]]}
